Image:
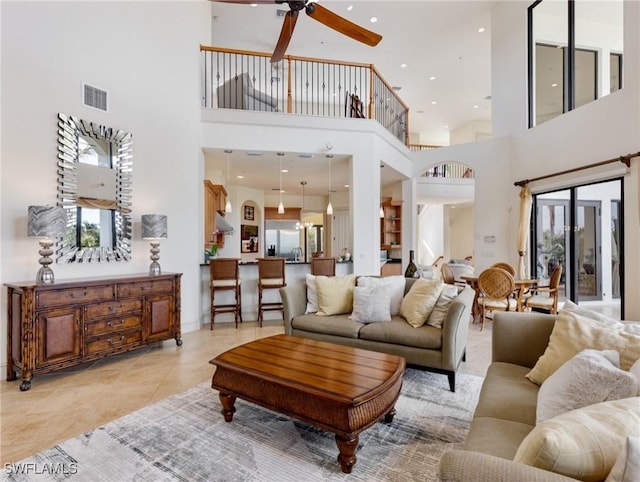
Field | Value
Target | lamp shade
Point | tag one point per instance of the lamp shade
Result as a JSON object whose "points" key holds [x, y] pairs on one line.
{"points": [[46, 221], [154, 226]]}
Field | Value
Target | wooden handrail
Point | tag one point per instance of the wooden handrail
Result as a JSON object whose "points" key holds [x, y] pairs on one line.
{"points": [[390, 87]]}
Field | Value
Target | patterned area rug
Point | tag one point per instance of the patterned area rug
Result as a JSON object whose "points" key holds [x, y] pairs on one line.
{"points": [[185, 438]]}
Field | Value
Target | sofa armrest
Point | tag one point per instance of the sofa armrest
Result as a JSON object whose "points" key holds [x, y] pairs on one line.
{"points": [[455, 329], [520, 338], [462, 465], [294, 300]]}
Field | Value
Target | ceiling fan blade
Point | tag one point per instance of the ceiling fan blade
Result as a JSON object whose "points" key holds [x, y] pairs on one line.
{"points": [[289, 24], [342, 25]]}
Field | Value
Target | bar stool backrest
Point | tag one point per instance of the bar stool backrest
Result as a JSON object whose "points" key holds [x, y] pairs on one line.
{"points": [[323, 266], [224, 269], [271, 269]]}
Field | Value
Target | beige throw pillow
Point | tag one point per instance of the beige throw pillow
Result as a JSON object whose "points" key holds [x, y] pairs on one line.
{"points": [[439, 312], [583, 443], [574, 332], [627, 466], [420, 300], [335, 294]]}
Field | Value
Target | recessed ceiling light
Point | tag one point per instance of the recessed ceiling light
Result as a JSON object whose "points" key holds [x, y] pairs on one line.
{"points": [[475, 106], [445, 126], [253, 4], [554, 84], [349, 8], [347, 185], [240, 176], [481, 29], [284, 170], [434, 102], [373, 19], [403, 66], [432, 77]]}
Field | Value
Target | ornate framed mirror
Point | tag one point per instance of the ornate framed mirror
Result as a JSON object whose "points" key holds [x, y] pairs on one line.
{"points": [[94, 187]]}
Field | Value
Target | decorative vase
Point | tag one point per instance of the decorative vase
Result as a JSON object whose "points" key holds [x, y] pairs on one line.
{"points": [[412, 269]]}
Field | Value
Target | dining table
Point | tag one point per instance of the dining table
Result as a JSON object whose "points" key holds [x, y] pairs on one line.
{"points": [[522, 286]]}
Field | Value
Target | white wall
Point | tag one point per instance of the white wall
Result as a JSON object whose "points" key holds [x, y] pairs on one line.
{"points": [[145, 54], [431, 234], [600, 130], [460, 231]]}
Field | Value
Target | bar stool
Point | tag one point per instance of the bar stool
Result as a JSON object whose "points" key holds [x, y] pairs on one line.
{"points": [[270, 276], [225, 275], [323, 266]]}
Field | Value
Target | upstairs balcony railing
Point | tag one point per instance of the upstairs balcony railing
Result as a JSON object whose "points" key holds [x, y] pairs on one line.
{"points": [[449, 170], [239, 79]]}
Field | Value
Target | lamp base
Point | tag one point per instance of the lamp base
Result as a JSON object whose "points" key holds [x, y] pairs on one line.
{"points": [[154, 269], [45, 275]]}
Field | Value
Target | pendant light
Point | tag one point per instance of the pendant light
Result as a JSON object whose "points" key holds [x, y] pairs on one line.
{"points": [[280, 205], [301, 224], [329, 206], [381, 211], [227, 207]]}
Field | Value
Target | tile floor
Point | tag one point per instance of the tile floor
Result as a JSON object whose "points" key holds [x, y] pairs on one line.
{"points": [[66, 403]]}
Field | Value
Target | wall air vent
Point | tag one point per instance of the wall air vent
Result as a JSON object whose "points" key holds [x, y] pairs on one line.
{"points": [[94, 97]]}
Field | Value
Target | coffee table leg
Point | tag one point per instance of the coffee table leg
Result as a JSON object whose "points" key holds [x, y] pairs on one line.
{"points": [[347, 457], [228, 409], [388, 418]]}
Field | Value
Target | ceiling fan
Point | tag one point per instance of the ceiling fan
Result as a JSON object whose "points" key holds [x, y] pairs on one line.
{"points": [[316, 12]]}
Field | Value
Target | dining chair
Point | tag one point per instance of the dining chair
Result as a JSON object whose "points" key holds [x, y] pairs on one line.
{"points": [[545, 298], [323, 266], [271, 276], [449, 276], [496, 286], [505, 266], [225, 276]]}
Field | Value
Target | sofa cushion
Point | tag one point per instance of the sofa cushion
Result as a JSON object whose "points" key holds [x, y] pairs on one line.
{"points": [[420, 300], [312, 294], [574, 332], [496, 436], [339, 325], [398, 332], [635, 370], [506, 394], [394, 284], [582, 443], [371, 304], [335, 294], [627, 465], [590, 377], [439, 312]]}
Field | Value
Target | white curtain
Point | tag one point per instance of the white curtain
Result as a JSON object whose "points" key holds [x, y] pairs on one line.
{"points": [[523, 230]]}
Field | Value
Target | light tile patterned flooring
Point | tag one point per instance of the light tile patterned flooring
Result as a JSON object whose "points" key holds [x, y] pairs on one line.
{"points": [[66, 403]]}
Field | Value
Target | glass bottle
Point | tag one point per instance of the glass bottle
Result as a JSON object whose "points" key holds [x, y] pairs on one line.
{"points": [[412, 269]]}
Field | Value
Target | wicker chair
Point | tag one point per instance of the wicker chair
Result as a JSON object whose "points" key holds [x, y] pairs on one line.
{"points": [[545, 298], [323, 266], [225, 276], [505, 266], [449, 276], [496, 286], [270, 277]]}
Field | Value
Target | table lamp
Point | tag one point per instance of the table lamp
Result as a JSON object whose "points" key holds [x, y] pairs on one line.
{"points": [[46, 222], [154, 228]]}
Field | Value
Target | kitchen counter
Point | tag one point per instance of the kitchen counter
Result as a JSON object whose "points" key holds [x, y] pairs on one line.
{"points": [[294, 273]]}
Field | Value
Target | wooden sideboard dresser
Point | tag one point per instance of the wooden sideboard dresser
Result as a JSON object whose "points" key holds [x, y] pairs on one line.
{"points": [[54, 326]]}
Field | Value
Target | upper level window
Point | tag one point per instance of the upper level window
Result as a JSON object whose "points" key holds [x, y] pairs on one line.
{"points": [[575, 54]]}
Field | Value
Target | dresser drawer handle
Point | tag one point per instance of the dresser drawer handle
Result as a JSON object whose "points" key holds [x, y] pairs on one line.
{"points": [[119, 340]]}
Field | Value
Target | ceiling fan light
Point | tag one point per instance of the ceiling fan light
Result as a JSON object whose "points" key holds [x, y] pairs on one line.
{"points": [[280, 208]]}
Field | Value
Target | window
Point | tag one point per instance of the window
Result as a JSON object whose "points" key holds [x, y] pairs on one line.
{"points": [[575, 55]]}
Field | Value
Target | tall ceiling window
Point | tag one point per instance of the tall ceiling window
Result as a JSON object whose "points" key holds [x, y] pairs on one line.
{"points": [[575, 54]]}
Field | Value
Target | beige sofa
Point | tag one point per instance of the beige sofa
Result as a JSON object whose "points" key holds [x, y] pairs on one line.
{"points": [[506, 410], [427, 347]]}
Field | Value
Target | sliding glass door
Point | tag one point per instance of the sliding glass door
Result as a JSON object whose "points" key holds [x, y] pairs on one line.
{"points": [[580, 229]]}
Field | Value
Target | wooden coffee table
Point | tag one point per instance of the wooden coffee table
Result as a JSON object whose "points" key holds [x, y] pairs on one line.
{"points": [[340, 389]]}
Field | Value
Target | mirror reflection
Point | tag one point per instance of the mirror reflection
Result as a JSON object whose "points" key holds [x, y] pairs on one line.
{"points": [[94, 187]]}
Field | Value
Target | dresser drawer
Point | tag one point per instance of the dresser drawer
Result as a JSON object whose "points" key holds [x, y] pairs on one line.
{"points": [[111, 308], [142, 288], [113, 342], [113, 324], [63, 297]]}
